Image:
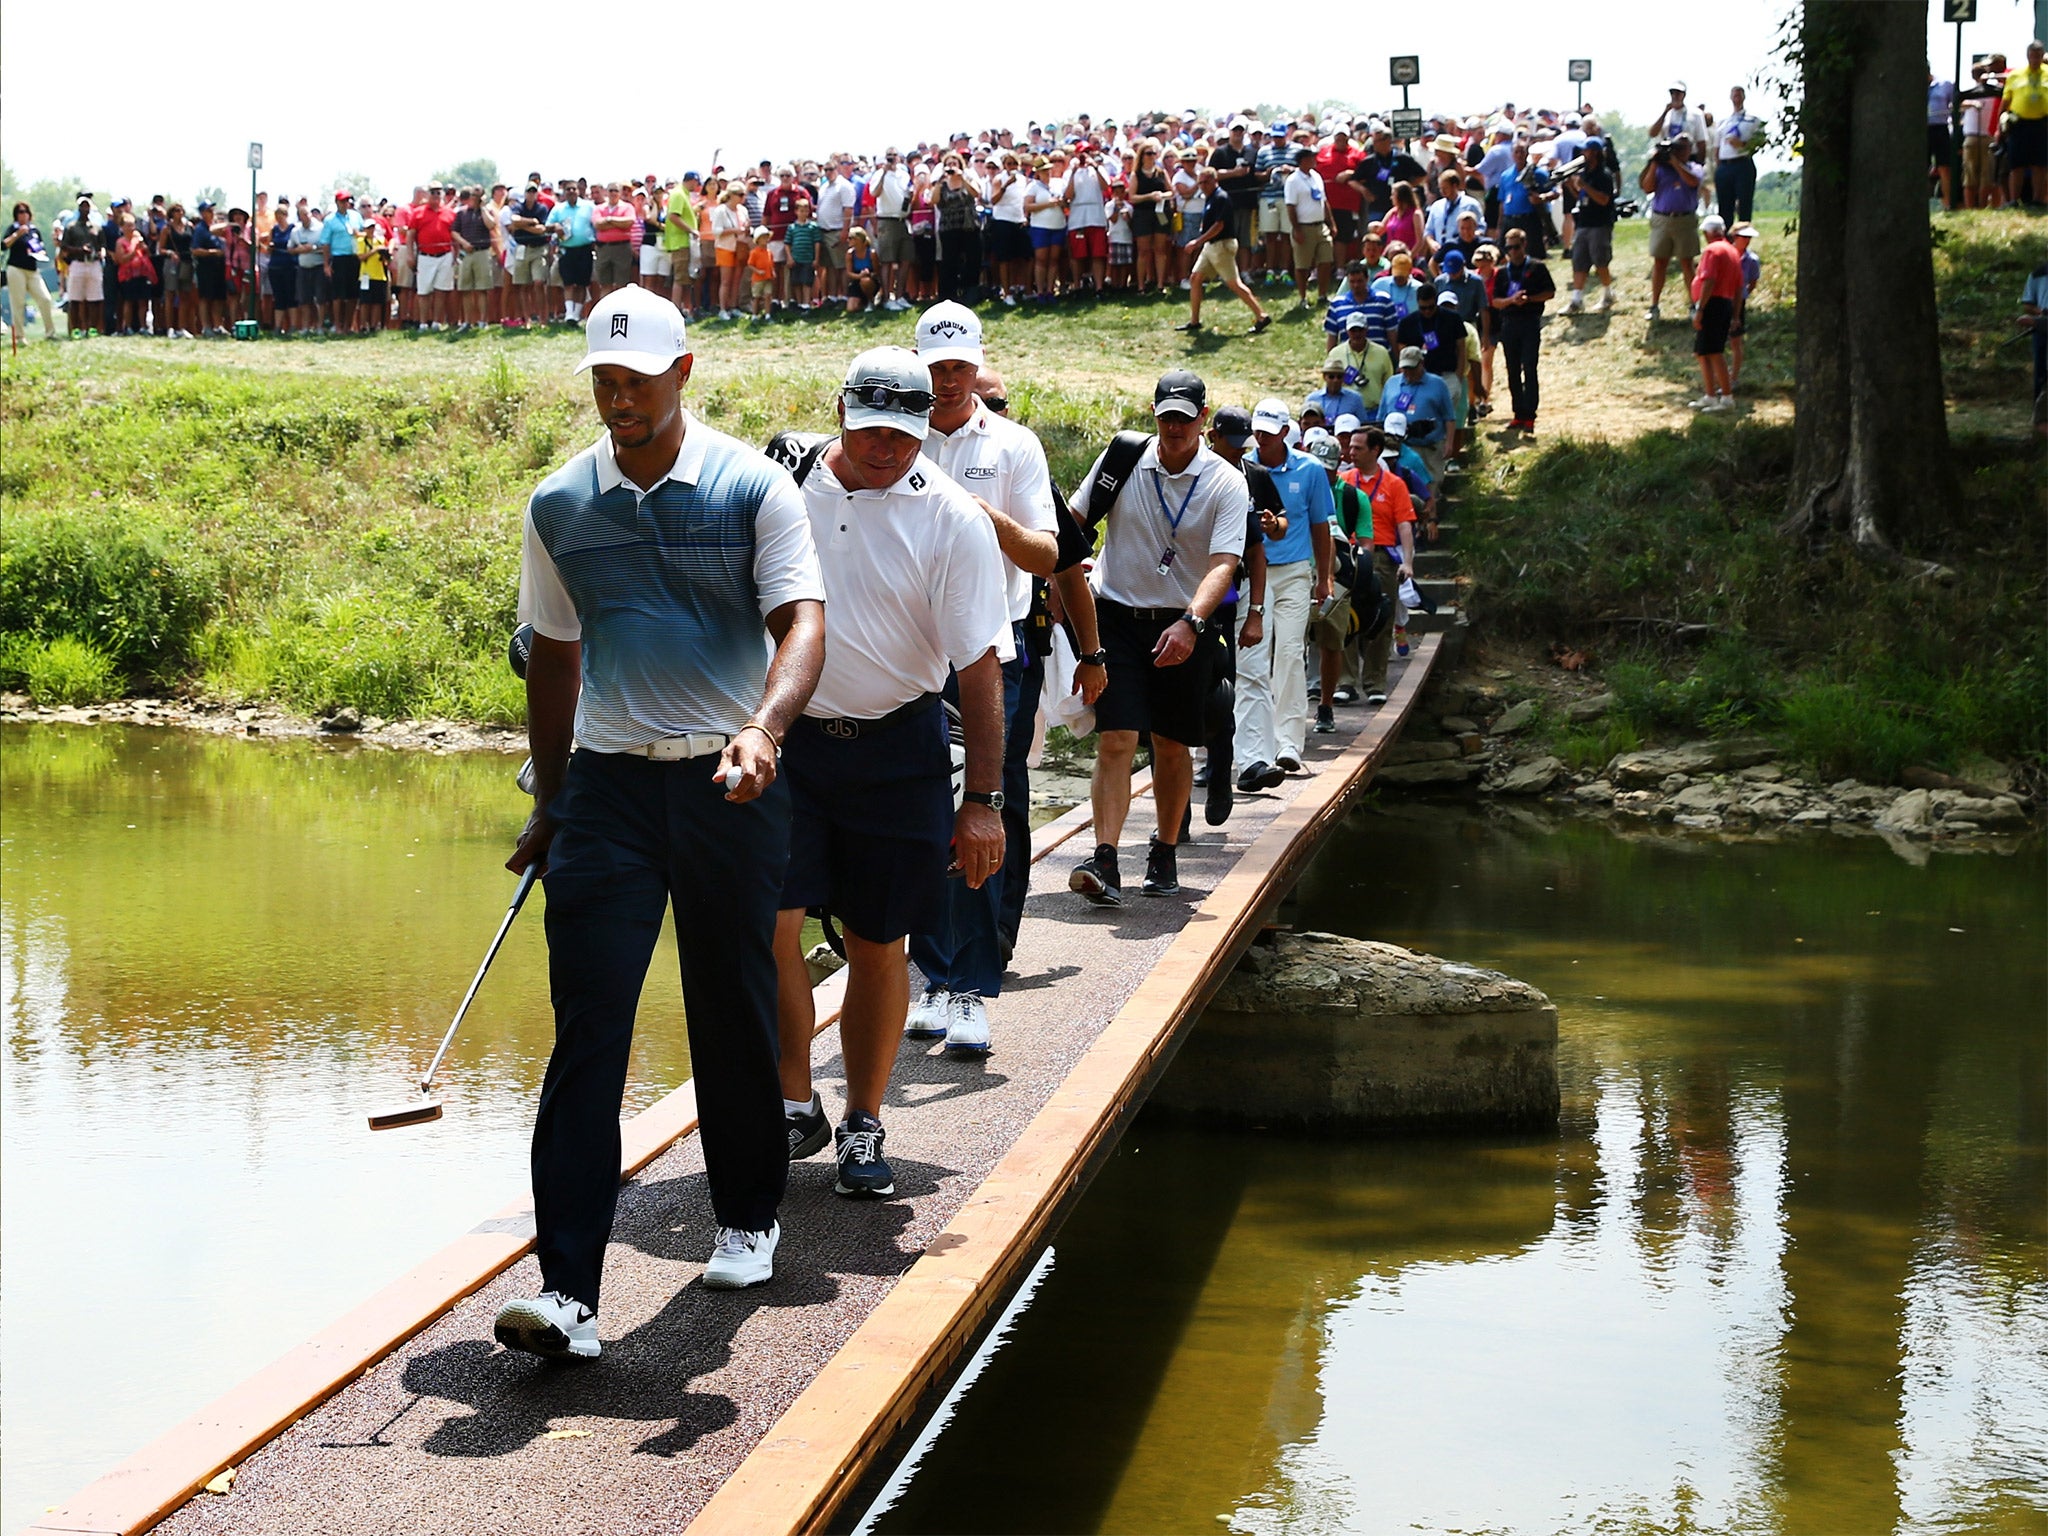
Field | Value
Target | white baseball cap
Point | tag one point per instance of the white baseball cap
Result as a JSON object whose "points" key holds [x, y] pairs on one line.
{"points": [[949, 333], [1394, 424], [1346, 423], [1271, 415], [637, 329], [888, 387]]}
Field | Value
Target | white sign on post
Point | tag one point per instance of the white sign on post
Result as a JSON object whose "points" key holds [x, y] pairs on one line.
{"points": [[255, 157]]}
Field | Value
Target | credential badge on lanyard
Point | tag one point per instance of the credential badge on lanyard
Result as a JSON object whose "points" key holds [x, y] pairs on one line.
{"points": [[1173, 519]]}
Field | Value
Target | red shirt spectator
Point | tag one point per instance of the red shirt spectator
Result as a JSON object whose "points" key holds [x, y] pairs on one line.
{"points": [[1720, 273], [1332, 161], [433, 229]]}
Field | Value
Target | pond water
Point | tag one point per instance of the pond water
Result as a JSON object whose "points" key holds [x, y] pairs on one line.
{"points": [[1782, 1270]]}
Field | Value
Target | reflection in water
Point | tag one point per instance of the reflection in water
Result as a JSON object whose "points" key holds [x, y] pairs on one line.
{"points": [[215, 958], [1782, 1270]]}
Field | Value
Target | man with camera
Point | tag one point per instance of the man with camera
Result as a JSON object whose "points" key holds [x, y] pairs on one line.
{"points": [[1593, 241], [1672, 178]]}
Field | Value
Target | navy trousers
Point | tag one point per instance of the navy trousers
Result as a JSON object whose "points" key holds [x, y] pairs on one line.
{"points": [[635, 837], [1023, 726], [964, 954]]}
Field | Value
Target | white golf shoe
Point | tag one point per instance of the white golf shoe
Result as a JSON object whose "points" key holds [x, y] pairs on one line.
{"points": [[929, 1015], [551, 1325], [740, 1259], [967, 1024]]}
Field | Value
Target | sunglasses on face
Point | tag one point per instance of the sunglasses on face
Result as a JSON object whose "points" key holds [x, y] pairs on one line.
{"points": [[996, 403], [883, 397]]}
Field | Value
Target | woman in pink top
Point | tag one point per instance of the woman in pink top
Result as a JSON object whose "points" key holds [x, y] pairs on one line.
{"points": [[1404, 223]]}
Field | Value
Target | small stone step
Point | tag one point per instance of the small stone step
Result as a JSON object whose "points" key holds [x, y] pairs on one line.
{"points": [[1442, 590], [1446, 617], [1435, 562]]}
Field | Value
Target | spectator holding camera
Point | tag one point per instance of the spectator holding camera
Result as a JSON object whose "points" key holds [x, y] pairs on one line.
{"points": [[1672, 178], [1593, 237]]}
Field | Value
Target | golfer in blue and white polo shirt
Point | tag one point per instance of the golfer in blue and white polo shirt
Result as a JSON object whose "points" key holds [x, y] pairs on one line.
{"points": [[659, 565], [914, 581]]}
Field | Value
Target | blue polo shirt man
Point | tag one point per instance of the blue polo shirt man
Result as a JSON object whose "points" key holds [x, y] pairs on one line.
{"points": [[659, 568], [1425, 400], [1335, 398], [338, 233], [1272, 680]]}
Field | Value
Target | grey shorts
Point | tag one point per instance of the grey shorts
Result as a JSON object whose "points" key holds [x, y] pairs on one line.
{"points": [[176, 274], [892, 240], [1592, 248], [476, 271], [314, 284]]}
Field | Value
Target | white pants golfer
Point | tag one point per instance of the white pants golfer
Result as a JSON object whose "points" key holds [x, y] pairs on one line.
{"points": [[1272, 684]]}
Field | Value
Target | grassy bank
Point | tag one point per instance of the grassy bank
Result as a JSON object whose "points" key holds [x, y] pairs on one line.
{"points": [[1659, 554], [328, 523]]}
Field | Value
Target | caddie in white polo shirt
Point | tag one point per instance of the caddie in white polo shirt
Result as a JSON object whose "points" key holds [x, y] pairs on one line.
{"points": [[914, 581], [660, 566], [1003, 466]]}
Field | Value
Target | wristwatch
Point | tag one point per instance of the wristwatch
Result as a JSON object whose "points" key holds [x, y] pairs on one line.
{"points": [[993, 800], [1199, 625], [1254, 607], [1093, 659]]}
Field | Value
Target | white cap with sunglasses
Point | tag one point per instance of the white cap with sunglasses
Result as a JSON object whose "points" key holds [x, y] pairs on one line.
{"points": [[888, 387]]}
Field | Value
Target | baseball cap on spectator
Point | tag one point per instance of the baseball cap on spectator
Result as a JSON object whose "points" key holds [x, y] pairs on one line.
{"points": [[634, 328], [1346, 423], [1395, 425], [1323, 448], [1179, 393], [1411, 357], [1233, 423], [1270, 415], [888, 387], [343, 195], [1454, 261], [1678, 86], [1357, 321], [949, 333]]}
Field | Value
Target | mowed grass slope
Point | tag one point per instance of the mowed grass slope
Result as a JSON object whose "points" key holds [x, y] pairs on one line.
{"points": [[336, 522]]}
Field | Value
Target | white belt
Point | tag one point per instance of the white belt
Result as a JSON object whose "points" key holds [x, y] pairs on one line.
{"points": [[674, 749]]}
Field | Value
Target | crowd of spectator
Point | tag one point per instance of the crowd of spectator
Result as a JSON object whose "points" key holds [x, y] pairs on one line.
{"points": [[1068, 210]]}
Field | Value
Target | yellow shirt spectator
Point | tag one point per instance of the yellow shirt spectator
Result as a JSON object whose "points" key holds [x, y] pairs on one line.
{"points": [[2026, 92]]}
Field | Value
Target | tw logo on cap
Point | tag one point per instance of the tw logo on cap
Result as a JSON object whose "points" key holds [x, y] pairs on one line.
{"points": [[619, 324]]}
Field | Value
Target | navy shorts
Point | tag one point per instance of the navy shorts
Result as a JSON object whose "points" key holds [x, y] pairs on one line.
{"points": [[871, 830], [1172, 702]]}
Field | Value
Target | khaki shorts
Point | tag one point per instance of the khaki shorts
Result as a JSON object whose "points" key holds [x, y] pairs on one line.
{"points": [[832, 250], [401, 261], [529, 265], [1675, 235], [1313, 247], [475, 272], [1217, 260], [892, 240], [1272, 216], [1977, 163], [613, 263]]}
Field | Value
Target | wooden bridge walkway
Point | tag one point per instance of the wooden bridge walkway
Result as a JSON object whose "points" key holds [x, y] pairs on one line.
{"points": [[757, 1411]]}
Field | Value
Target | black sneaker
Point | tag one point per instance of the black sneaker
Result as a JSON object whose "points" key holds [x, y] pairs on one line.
{"points": [[1346, 695], [1254, 777], [863, 1172], [1326, 721], [808, 1132], [1285, 766], [1193, 328], [1161, 877], [1217, 803], [1097, 877]]}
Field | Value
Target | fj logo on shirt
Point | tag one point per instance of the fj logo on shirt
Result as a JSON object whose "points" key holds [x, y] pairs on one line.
{"points": [[619, 325], [917, 482]]}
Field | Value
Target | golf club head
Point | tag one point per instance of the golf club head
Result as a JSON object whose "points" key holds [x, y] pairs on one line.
{"points": [[418, 1112]]}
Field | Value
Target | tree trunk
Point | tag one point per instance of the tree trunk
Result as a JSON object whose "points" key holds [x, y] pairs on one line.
{"points": [[1870, 436]]}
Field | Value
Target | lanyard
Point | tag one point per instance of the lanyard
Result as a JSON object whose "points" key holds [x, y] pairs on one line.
{"points": [[1173, 519]]}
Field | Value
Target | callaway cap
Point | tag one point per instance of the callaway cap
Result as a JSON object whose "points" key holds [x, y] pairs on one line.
{"points": [[1179, 393], [888, 387], [1270, 415], [634, 328], [949, 333], [1233, 423]]}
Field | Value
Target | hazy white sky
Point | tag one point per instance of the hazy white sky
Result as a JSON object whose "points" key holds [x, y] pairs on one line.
{"points": [[664, 91]]}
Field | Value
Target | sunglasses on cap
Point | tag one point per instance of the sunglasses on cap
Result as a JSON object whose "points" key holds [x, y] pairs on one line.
{"points": [[882, 397]]}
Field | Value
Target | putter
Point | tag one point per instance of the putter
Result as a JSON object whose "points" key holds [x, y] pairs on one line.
{"points": [[426, 1107]]}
